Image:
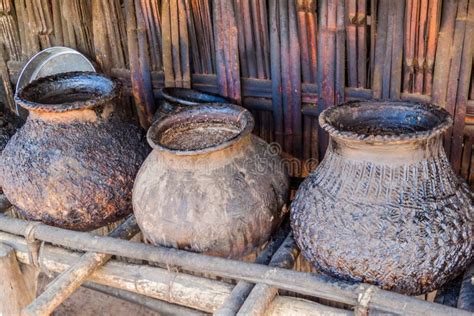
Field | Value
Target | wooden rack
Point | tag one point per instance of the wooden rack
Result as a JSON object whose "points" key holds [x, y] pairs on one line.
{"points": [[168, 279]]}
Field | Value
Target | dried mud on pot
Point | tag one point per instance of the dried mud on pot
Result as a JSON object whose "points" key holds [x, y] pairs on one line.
{"points": [[73, 162], [384, 206], [209, 185]]}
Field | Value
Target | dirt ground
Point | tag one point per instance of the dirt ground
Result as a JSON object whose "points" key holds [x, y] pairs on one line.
{"points": [[86, 302]]}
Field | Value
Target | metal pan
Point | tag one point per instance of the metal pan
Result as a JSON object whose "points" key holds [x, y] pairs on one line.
{"points": [[48, 62]]}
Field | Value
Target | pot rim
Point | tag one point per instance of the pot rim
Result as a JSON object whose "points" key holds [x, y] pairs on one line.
{"points": [[172, 94], [241, 114], [445, 122], [24, 96]]}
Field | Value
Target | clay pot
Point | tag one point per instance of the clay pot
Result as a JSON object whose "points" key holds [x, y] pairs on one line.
{"points": [[177, 99], [73, 163], [209, 185], [384, 206]]}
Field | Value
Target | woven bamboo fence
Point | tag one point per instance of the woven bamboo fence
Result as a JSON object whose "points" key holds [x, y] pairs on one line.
{"points": [[286, 61]]}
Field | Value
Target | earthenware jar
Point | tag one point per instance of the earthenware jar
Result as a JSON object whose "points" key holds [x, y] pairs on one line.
{"points": [[177, 99], [209, 185], [384, 206], [73, 162]]}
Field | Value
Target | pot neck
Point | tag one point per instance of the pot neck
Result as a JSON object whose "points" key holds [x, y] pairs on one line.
{"points": [[100, 113], [396, 153]]}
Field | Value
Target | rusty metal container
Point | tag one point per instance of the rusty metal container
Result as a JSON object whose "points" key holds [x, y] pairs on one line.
{"points": [[73, 162], [209, 185], [384, 206], [177, 99]]}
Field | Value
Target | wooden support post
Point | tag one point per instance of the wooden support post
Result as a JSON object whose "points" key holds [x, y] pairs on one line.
{"points": [[63, 286], [262, 294], [14, 293]]}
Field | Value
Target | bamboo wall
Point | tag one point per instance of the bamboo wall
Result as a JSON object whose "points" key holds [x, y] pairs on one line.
{"points": [[284, 60]]}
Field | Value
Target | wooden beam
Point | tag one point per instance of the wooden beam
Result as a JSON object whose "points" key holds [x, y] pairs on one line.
{"points": [[65, 284], [14, 293]]}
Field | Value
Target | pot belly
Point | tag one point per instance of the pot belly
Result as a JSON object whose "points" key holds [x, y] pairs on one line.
{"points": [[77, 176], [410, 234]]}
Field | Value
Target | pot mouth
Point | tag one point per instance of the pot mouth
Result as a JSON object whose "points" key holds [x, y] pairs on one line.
{"points": [[389, 121], [68, 91], [191, 97], [201, 129]]}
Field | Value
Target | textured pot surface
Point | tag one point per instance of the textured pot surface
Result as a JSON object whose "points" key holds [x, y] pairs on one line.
{"points": [[73, 163], [384, 206], [177, 99], [209, 185]]}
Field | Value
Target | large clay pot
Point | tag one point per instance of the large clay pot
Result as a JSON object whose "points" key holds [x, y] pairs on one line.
{"points": [[384, 206], [177, 99], [209, 185], [73, 163]]}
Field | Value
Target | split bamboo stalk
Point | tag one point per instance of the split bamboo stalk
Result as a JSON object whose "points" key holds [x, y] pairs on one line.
{"points": [[351, 32], [455, 70], [340, 72], [6, 83], [262, 295], [462, 93], [380, 43], [227, 58], [295, 81], [361, 43], [242, 289], [421, 49], [70, 280], [300, 282], [398, 8], [433, 27], [163, 284], [443, 52], [139, 67], [275, 56]]}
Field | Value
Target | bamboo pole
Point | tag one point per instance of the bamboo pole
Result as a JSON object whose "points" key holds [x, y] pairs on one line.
{"points": [[63, 286], [300, 282], [159, 283], [262, 295], [240, 292], [159, 306], [14, 293]]}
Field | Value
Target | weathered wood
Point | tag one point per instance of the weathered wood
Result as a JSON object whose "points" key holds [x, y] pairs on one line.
{"points": [[14, 293], [242, 289], [139, 65], [165, 284], [262, 295], [300, 282], [6, 83], [302, 307], [63, 286], [159, 306]]}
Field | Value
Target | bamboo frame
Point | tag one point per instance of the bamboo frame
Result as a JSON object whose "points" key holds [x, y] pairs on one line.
{"points": [[300, 282]]}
